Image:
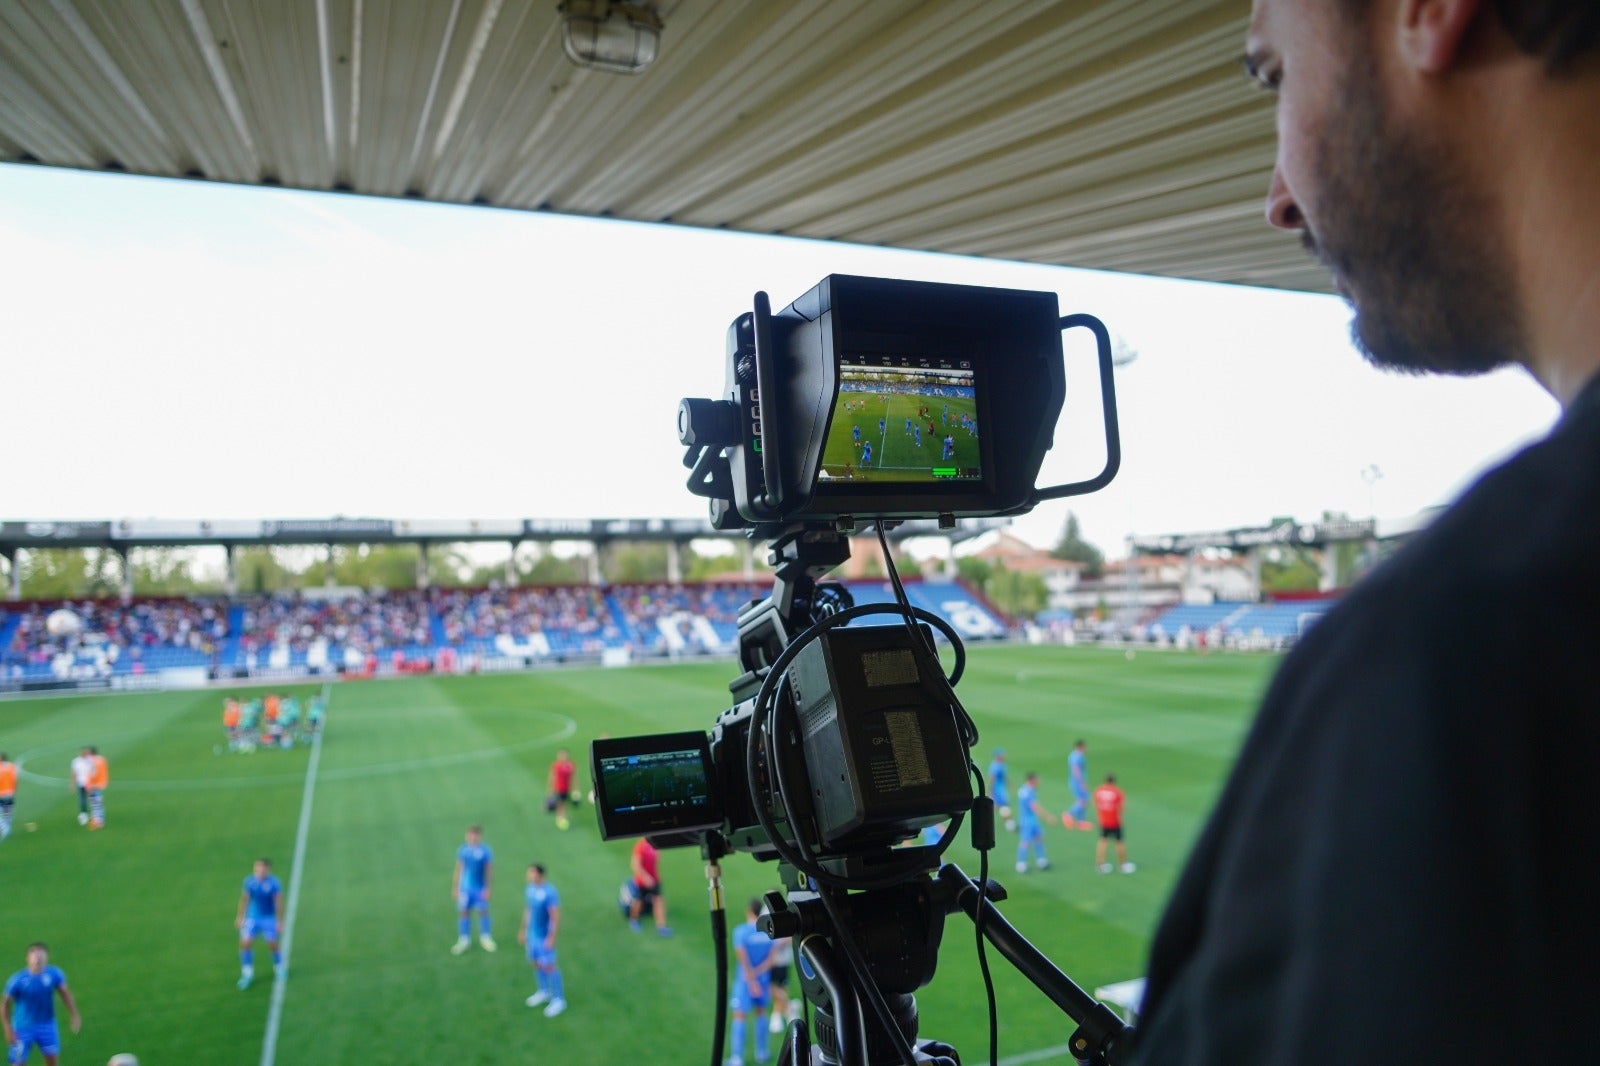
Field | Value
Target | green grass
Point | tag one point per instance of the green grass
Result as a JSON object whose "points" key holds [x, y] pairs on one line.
{"points": [[897, 454], [140, 915]]}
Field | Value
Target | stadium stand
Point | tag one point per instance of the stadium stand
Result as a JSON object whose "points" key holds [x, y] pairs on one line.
{"points": [[114, 639], [449, 629], [1238, 625]]}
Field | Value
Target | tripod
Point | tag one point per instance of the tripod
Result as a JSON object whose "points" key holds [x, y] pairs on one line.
{"points": [[897, 932]]}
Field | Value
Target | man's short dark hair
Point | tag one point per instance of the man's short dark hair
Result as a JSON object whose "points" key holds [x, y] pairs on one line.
{"points": [[1561, 32], [539, 866]]}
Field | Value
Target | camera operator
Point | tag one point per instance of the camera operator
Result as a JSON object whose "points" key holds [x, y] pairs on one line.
{"points": [[1401, 867]]}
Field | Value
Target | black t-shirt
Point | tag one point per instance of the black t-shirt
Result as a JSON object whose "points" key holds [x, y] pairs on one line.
{"points": [[1405, 863]]}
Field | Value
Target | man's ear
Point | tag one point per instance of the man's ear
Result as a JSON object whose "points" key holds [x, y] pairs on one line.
{"points": [[1431, 33]]}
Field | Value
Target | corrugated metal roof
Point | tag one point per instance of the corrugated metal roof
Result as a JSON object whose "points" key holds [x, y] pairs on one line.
{"points": [[1116, 135]]}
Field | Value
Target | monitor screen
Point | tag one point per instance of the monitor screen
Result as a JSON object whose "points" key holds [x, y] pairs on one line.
{"points": [[654, 784], [905, 419]]}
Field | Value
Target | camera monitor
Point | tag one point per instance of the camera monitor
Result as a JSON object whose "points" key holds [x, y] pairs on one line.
{"points": [[653, 784], [874, 398]]}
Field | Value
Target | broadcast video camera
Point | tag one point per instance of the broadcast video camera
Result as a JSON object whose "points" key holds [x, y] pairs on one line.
{"points": [[844, 741]]}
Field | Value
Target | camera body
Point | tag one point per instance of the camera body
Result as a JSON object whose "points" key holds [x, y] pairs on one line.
{"points": [[878, 756], [864, 399]]}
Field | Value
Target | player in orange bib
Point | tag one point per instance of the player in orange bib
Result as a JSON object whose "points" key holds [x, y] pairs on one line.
{"points": [[99, 778], [8, 793], [231, 714]]}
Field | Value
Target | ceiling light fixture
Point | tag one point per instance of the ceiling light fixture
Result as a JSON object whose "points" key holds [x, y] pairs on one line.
{"points": [[619, 36]]}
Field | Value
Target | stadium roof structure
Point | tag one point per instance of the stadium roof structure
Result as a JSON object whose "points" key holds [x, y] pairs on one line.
{"points": [[1109, 134], [149, 533]]}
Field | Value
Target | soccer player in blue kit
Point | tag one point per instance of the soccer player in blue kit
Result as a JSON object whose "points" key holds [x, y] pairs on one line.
{"points": [[470, 888], [752, 990], [28, 1009], [540, 920], [866, 454], [260, 915], [999, 791], [1030, 821], [1078, 781]]}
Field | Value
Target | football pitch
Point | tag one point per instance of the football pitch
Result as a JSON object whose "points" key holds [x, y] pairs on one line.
{"points": [[896, 451], [140, 915]]}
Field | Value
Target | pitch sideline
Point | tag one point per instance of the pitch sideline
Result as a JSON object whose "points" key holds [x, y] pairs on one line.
{"points": [[269, 1042]]}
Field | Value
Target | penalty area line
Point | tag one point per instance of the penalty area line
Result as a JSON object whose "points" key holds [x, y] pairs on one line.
{"points": [[269, 1043]]}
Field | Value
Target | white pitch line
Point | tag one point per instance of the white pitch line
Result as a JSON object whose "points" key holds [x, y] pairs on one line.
{"points": [[269, 1044]]}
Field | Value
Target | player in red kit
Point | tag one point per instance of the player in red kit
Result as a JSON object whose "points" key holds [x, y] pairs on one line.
{"points": [[647, 888], [1108, 805], [561, 772]]}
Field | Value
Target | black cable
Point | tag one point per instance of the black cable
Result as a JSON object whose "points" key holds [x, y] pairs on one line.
{"points": [[932, 671], [865, 983], [887, 880], [765, 724], [983, 958], [970, 730], [719, 937]]}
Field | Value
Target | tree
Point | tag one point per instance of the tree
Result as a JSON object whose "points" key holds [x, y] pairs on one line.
{"points": [[483, 576], [69, 573], [448, 566], [697, 567], [169, 572], [548, 568], [1073, 547], [1289, 569], [376, 566], [636, 562], [974, 571], [1017, 594], [259, 571]]}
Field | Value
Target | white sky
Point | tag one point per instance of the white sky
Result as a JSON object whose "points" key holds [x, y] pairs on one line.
{"points": [[184, 350]]}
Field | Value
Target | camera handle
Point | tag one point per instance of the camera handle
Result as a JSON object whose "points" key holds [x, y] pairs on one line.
{"points": [[1108, 406]]}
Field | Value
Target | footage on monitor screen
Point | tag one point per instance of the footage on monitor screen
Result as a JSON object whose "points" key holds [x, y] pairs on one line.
{"points": [[903, 419]]}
